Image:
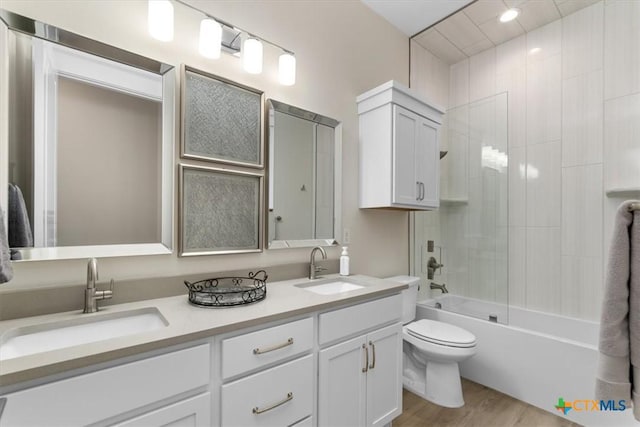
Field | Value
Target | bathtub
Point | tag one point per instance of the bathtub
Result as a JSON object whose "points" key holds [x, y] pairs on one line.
{"points": [[532, 356]]}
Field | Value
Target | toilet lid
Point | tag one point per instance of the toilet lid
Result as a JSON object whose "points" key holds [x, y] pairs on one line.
{"points": [[441, 333]]}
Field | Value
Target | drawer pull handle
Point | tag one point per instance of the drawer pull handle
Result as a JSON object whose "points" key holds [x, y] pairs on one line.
{"points": [[258, 411], [272, 348], [366, 358], [373, 348]]}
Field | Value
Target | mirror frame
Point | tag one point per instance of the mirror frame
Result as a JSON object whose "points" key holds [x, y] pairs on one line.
{"points": [[272, 107], [28, 26]]}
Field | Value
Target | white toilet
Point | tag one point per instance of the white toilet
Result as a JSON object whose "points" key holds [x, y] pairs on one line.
{"points": [[431, 352]]}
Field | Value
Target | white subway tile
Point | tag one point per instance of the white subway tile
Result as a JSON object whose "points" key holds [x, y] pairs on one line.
{"points": [[543, 185], [482, 72], [517, 187], [544, 101], [582, 40], [622, 142], [543, 290], [517, 266], [582, 118], [621, 48]]}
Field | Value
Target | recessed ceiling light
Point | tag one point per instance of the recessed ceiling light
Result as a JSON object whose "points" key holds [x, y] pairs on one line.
{"points": [[509, 15]]}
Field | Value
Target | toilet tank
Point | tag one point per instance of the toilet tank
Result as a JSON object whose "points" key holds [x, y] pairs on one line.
{"points": [[409, 296]]}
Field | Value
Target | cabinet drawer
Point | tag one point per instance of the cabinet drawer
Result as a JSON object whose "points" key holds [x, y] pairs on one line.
{"points": [[192, 412], [89, 398], [256, 349], [279, 396], [307, 422], [352, 320]]}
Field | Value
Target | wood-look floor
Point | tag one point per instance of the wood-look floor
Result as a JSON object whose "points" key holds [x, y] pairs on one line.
{"points": [[483, 407]]}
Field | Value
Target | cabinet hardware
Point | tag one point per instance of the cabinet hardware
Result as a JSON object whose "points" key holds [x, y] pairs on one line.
{"points": [[422, 191], [373, 350], [366, 360], [259, 411], [272, 348], [418, 185]]}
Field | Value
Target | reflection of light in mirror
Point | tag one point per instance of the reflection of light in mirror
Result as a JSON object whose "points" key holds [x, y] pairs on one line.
{"points": [[535, 51], [532, 173], [494, 159], [161, 20]]}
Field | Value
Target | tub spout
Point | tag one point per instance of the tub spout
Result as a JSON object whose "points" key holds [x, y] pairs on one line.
{"points": [[442, 288]]}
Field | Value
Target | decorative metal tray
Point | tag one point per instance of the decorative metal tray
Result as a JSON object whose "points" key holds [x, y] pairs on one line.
{"points": [[228, 291]]}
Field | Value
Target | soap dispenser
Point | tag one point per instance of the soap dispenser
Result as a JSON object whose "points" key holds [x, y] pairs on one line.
{"points": [[344, 262]]}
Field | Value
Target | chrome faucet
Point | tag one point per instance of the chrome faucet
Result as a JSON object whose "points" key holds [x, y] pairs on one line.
{"points": [[91, 295], [442, 287], [313, 268]]}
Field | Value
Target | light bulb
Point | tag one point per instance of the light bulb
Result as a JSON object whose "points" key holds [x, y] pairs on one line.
{"points": [[210, 38], [160, 20], [287, 69], [509, 15], [252, 56]]}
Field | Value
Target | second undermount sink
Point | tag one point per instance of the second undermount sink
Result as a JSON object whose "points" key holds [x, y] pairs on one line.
{"points": [[330, 288], [83, 329]]}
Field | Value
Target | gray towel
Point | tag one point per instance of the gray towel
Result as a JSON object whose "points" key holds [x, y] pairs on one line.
{"points": [[20, 235], [6, 271], [619, 347]]}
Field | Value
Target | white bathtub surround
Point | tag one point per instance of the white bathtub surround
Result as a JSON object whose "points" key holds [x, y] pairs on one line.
{"points": [[620, 321], [537, 358]]}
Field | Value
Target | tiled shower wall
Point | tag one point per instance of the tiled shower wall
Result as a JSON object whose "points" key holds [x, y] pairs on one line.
{"points": [[574, 148]]}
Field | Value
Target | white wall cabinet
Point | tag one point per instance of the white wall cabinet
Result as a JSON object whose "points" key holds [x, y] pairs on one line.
{"points": [[399, 149]]}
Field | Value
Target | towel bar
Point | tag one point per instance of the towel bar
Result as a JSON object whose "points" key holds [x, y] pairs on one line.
{"points": [[634, 207]]}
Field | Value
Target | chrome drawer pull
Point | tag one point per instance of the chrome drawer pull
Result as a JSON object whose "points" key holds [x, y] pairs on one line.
{"points": [[373, 347], [258, 411], [366, 360], [275, 347]]}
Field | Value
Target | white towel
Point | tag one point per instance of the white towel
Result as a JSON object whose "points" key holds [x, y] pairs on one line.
{"points": [[6, 271], [619, 347]]}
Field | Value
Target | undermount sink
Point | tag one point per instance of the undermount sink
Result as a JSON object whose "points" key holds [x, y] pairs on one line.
{"points": [[330, 288], [84, 329]]}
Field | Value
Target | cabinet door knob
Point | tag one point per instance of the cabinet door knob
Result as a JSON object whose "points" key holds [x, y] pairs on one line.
{"points": [[366, 358], [373, 351]]}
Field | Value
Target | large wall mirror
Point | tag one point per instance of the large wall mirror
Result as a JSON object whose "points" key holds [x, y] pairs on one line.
{"points": [[305, 151], [87, 156]]}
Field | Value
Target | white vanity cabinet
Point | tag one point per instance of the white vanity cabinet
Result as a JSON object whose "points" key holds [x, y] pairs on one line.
{"points": [[360, 378], [169, 389], [398, 149]]}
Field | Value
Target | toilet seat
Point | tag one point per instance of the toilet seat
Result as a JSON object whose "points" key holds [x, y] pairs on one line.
{"points": [[441, 333]]}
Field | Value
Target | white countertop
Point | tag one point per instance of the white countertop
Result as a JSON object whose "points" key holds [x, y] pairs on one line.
{"points": [[186, 323]]}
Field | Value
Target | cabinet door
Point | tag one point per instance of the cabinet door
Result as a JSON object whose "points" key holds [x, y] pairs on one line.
{"points": [[384, 377], [342, 384], [427, 163], [192, 412], [405, 134]]}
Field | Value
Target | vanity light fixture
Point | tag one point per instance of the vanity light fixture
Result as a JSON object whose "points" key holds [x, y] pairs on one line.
{"points": [[287, 69], [210, 38], [509, 15], [160, 20], [217, 36], [252, 55]]}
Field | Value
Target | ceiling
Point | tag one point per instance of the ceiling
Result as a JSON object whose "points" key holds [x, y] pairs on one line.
{"points": [[476, 27], [413, 16]]}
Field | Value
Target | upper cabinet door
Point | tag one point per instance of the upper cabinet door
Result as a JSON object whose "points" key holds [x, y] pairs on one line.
{"points": [[406, 130], [427, 163]]}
